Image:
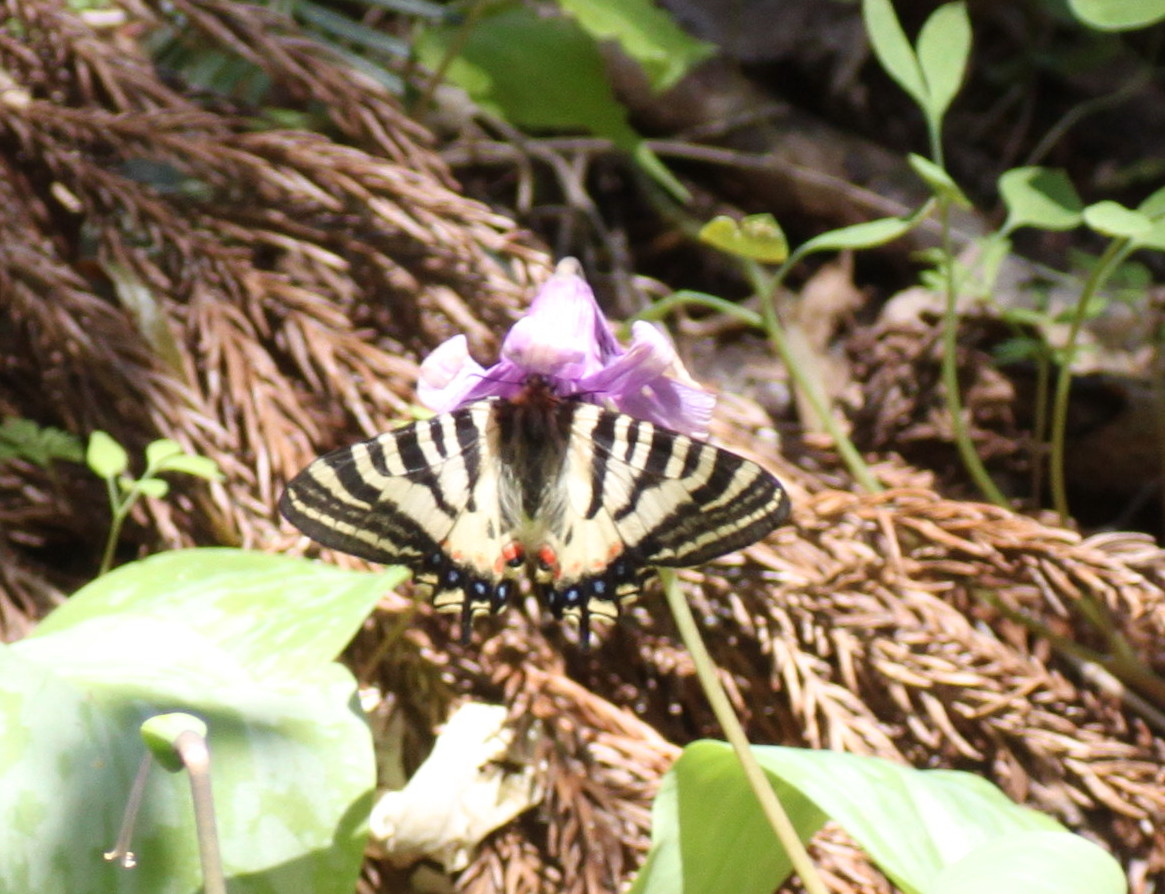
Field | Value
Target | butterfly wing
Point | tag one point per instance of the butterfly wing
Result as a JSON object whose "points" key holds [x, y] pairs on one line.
{"points": [[425, 496], [641, 496]]}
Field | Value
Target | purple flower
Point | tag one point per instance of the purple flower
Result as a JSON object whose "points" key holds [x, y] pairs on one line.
{"points": [[565, 339]]}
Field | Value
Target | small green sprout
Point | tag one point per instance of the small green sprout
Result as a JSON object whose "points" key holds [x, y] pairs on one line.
{"points": [[109, 460]]}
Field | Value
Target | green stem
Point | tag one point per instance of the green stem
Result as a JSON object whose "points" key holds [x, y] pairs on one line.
{"points": [[115, 507], [770, 804], [950, 369], [688, 298], [121, 505], [767, 288], [196, 757], [1113, 255]]}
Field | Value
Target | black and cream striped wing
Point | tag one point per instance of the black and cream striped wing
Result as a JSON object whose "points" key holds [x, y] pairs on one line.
{"points": [[424, 495], [641, 496]]}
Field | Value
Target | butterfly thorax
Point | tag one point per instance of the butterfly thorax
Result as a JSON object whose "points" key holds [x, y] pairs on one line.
{"points": [[533, 433]]}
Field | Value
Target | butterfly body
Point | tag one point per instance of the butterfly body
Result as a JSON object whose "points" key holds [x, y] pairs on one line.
{"points": [[585, 501]]}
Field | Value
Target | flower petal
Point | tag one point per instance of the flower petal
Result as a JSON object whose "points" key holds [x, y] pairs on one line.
{"points": [[564, 336], [447, 376]]}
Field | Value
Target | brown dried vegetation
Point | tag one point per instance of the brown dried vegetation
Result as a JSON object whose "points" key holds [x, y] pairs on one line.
{"points": [[274, 302]]}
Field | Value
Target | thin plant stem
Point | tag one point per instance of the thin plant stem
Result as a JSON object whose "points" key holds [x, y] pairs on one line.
{"points": [[120, 507], [122, 849], [950, 369], [1113, 255], [196, 757], [687, 298], [767, 286], [770, 804]]}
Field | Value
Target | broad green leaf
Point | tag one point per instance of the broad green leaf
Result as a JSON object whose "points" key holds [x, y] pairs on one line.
{"points": [[645, 32], [1113, 219], [863, 235], [893, 49], [938, 180], [1118, 15], [1035, 862], [538, 73], [1040, 197], [293, 770], [758, 237], [243, 642], [707, 833], [105, 456], [944, 45], [253, 605], [189, 464], [913, 824]]}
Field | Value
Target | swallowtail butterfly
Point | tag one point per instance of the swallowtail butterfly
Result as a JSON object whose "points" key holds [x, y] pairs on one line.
{"points": [[587, 500]]}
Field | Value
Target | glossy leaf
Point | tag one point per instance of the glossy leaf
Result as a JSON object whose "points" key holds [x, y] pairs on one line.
{"points": [[709, 835], [244, 643]]}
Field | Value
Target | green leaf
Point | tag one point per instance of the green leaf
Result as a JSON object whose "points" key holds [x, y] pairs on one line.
{"points": [[938, 180], [1040, 197], [159, 451], [1154, 205], [252, 604], [757, 236], [915, 825], [105, 456], [1113, 219], [538, 73], [863, 235], [893, 49], [153, 487], [243, 641], [944, 45], [1035, 862], [22, 438], [189, 464], [1118, 15], [645, 32], [707, 834]]}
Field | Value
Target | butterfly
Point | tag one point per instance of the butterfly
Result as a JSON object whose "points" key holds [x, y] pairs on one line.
{"points": [[586, 501]]}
